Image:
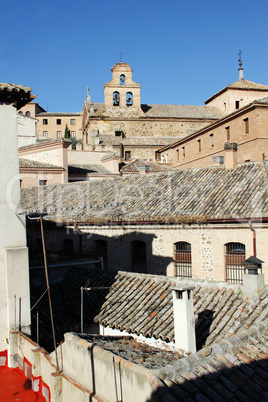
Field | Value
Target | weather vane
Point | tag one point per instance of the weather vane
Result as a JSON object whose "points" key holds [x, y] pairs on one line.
{"points": [[120, 54], [240, 60]]}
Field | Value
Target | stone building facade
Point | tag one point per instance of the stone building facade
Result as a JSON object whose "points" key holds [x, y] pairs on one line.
{"points": [[136, 130]]}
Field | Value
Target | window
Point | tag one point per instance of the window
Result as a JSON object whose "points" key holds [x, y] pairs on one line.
{"points": [[42, 182], [183, 259], [127, 155], [45, 134], [224, 105], [138, 249], [116, 99], [72, 121], [118, 133], [20, 112], [199, 145], [72, 134], [183, 152], [157, 155], [178, 154], [58, 121], [227, 130], [58, 134], [211, 140], [44, 121], [122, 79], [235, 254], [129, 99], [246, 125], [237, 104], [27, 113]]}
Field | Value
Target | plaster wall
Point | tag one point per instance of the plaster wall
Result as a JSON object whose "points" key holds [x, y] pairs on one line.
{"points": [[85, 157], [51, 128], [26, 130], [31, 178], [13, 251]]}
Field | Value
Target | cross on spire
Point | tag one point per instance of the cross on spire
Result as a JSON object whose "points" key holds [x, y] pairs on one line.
{"points": [[120, 54]]}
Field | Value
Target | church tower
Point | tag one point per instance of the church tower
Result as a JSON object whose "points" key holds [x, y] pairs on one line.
{"points": [[122, 93]]}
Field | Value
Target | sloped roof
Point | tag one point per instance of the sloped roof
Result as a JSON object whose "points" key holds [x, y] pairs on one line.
{"points": [[234, 369], [134, 167], [142, 304], [88, 169], [29, 164], [44, 142], [197, 194]]}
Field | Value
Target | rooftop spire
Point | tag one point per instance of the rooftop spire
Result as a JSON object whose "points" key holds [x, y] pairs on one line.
{"points": [[240, 70]]}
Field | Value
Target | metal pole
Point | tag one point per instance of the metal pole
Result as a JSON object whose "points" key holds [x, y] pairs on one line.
{"points": [[48, 292], [82, 311], [20, 314], [37, 328], [15, 312]]}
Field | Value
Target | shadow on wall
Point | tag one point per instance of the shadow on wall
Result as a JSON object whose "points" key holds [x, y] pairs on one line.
{"points": [[131, 252], [243, 382]]}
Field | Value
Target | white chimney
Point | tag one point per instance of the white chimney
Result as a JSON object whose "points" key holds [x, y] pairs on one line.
{"points": [[252, 280], [184, 326]]}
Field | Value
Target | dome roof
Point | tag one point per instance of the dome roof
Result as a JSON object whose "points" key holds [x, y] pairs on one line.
{"points": [[121, 67]]}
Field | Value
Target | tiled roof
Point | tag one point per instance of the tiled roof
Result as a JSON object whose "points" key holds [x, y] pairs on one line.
{"points": [[235, 369], [88, 169], [182, 111], [142, 304], [134, 167], [170, 111], [19, 95], [29, 164], [193, 194], [45, 142]]}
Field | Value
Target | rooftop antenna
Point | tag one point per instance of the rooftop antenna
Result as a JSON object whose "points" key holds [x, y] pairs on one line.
{"points": [[240, 70], [121, 55]]}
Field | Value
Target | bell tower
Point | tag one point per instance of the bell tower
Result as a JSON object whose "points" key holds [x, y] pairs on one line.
{"points": [[122, 93]]}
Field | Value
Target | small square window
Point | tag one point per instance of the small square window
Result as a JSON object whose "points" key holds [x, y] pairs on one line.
{"points": [[237, 104], [42, 182], [178, 154], [157, 155], [58, 134], [72, 121], [199, 145], [44, 121], [45, 134], [183, 152], [58, 121]]}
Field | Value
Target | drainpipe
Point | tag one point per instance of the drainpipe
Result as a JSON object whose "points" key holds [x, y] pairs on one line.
{"points": [[254, 237]]}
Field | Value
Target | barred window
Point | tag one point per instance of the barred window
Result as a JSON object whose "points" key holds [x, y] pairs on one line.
{"points": [[183, 259], [235, 255]]}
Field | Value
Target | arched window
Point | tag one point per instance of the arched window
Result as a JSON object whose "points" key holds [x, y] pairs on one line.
{"points": [[20, 112], [116, 99], [138, 249], [67, 246], [183, 259], [27, 113], [129, 99], [122, 79], [235, 254]]}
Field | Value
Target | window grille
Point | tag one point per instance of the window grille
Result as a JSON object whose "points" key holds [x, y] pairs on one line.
{"points": [[235, 255], [183, 259]]}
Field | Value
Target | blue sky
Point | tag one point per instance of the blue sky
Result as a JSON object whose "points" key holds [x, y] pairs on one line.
{"points": [[180, 52]]}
